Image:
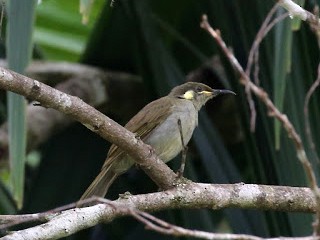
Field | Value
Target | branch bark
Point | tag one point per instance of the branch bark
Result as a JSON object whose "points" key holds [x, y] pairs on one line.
{"points": [[96, 87], [296, 11], [192, 195], [94, 120]]}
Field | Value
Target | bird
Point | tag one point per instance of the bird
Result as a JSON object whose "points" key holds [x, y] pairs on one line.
{"points": [[157, 125]]}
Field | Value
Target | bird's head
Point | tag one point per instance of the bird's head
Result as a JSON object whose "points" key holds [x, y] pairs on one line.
{"points": [[198, 93]]}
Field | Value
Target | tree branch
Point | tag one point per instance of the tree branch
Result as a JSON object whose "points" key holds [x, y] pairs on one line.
{"points": [[192, 195], [296, 11], [96, 87], [166, 228], [74, 107], [273, 111]]}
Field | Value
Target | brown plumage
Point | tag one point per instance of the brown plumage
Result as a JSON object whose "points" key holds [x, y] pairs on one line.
{"points": [[156, 125], [148, 122]]}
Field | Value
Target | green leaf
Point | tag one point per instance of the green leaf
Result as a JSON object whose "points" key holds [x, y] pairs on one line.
{"points": [[282, 66], [7, 206], [19, 47], [59, 31], [68, 42]]}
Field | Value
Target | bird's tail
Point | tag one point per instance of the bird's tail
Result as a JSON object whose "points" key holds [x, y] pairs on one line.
{"points": [[100, 185]]}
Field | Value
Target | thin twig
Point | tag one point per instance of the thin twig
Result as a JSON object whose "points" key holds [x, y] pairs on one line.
{"points": [[272, 109], [313, 19], [315, 26], [312, 89], [257, 42], [254, 58], [7, 221], [252, 109], [259, 38], [248, 70], [163, 227]]}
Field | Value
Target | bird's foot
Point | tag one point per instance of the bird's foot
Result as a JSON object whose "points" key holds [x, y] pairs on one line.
{"points": [[125, 195], [181, 180], [180, 173]]}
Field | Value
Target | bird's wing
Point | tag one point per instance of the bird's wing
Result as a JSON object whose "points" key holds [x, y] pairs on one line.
{"points": [[142, 124]]}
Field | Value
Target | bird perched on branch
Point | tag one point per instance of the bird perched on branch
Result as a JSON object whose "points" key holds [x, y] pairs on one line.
{"points": [[164, 124]]}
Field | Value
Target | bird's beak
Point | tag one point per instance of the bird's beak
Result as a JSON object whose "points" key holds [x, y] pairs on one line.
{"points": [[217, 92]]}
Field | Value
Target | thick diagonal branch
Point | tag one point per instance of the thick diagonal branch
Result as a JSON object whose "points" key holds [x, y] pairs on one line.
{"points": [[97, 122]]}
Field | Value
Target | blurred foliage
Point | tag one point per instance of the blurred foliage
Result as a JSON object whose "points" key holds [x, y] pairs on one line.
{"points": [[162, 42], [59, 29]]}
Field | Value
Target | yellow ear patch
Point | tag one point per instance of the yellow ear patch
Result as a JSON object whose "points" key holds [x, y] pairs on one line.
{"points": [[189, 95]]}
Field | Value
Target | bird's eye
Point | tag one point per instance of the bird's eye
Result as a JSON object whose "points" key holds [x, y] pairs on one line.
{"points": [[199, 89]]}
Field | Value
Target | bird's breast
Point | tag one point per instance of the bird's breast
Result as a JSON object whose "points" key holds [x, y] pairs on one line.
{"points": [[166, 138]]}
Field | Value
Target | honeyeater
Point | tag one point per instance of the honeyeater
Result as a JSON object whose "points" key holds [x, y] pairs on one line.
{"points": [[157, 125]]}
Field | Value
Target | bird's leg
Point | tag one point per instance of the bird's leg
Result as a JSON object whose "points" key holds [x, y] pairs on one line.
{"points": [[183, 152]]}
